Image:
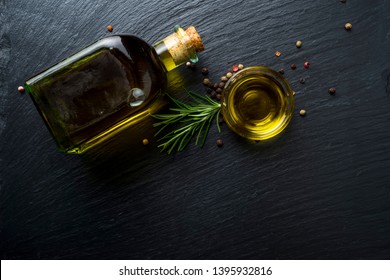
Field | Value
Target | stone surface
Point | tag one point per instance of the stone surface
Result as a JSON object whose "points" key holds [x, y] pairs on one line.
{"points": [[321, 190]]}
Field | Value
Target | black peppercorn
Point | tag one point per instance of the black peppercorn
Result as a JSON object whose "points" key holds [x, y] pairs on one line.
{"points": [[219, 96], [205, 71], [293, 66], [332, 90], [221, 84], [216, 85], [191, 65], [218, 90], [281, 71], [302, 80], [219, 142]]}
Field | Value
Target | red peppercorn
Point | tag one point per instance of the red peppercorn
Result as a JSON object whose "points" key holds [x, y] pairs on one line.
{"points": [[110, 28], [235, 68], [21, 89], [306, 64]]}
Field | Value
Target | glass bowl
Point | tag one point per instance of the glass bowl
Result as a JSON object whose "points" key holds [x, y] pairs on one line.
{"points": [[257, 103]]}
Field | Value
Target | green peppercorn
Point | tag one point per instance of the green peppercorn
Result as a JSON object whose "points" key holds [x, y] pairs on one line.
{"points": [[145, 142], [348, 26], [206, 82]]}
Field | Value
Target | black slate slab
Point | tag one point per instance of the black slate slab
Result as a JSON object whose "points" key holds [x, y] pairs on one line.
{"points": [[320, 190]]}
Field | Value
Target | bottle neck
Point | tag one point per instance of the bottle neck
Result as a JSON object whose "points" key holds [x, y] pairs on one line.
{"points": [[179, 47]]}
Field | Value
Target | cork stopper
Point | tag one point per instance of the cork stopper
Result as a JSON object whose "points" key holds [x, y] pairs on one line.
{"points": [[195, 39], [179, 47]]}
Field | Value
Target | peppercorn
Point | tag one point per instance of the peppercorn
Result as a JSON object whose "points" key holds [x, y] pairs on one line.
{"points": [[293, 66], [213, 95], [221, 84], [218, 90], [110, 28], [302, 113], [205, 71], [235, 68], [240, 66], [298, 44], [218, 96], [219, 142], [224, 79], [206, 81], [343, 1], [21, 89], [216, 85], [348, 26], [229, 75], [332, 90], [293, 93], [306, 64], [190, 65], [145, 141], [281, 71], [302, 80], [277, 53]]}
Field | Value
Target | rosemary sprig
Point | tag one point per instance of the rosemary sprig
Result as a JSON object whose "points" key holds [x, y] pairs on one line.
{"points": [[197, 117]]}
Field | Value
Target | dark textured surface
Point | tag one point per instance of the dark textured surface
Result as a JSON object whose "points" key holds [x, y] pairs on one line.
{"points": [[321, 190]]}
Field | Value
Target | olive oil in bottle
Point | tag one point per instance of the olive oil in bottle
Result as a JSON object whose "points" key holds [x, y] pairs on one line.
{"points": [[257, 103], [107, 86]]}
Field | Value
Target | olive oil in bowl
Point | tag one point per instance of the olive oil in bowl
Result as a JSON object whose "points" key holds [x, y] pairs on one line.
{"points": [[257, 103]]}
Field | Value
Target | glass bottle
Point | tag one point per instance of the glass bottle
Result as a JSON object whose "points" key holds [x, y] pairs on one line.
{"points": [[108, 86]]}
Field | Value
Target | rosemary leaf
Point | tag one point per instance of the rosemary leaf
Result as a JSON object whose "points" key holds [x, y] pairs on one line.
{"points": [[195, 119]]}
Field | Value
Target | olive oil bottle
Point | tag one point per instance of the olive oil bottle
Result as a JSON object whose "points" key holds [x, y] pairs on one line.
{"points": [[107, 86]]}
